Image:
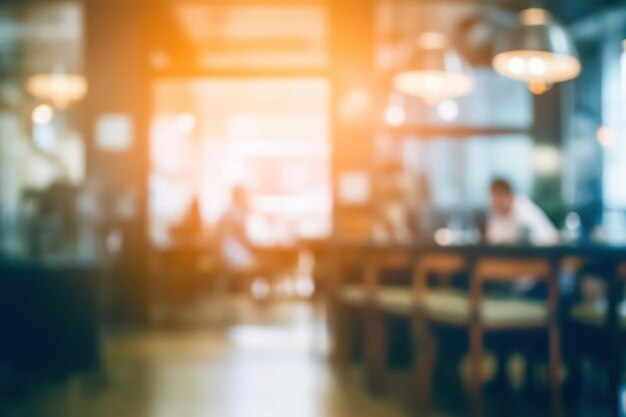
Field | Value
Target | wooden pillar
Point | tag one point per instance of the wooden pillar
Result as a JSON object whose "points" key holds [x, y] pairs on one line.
{"points": [[116, 59], [353, 110]]}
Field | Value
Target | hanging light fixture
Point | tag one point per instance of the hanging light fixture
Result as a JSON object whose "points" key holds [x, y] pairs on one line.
{"points": [[59, 89], [436, 72], [539, 51]]}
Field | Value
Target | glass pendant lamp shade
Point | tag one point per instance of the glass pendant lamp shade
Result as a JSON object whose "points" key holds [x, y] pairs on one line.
{"points": [[538, 51], [436, 72], [61, 90]]}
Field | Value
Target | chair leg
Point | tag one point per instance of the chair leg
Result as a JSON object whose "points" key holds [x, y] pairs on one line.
{"points": [[341, 332], [555, 368], [375, 350], [476, 374], [615, 376], [424, 366]]}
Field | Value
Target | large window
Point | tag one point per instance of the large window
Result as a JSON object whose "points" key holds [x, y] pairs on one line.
{"points": [[43, 202], [269, 135]]}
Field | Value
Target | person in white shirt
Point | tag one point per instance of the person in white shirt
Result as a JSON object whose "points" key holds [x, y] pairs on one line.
{"points": [[235, 247], [515, 219]]}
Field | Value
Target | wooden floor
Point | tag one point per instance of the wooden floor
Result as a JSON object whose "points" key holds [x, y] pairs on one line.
{"points": [[259, 362]]}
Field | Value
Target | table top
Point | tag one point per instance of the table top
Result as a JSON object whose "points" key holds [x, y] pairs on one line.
{"points": [[588, 250]]}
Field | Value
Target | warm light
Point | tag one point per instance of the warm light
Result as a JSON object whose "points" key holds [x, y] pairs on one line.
{"points": [[42, 114], [432, 40], [433, 86], [260, 289], [537, 66], [448, 111], [547, 160], [535, 16], [355, 105], [605, 136], [61, 90], [516, 65], [435, 72], [538, 88], [395, 115], [186, 122], [538, 51], [444, 237]]}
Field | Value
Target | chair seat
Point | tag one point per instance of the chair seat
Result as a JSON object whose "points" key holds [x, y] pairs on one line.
{"points": [[392, 299], [453, 307], [594, 314], [353, 294]]}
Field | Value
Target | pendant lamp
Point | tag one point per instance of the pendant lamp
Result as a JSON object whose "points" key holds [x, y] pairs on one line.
{"points": [[435, 71], [538, 51]]}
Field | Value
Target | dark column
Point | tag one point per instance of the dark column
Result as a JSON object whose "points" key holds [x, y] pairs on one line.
{"points": [[116, 53]]}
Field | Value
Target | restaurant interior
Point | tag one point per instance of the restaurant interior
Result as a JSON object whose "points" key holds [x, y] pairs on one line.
{"points": [[312, 208]]}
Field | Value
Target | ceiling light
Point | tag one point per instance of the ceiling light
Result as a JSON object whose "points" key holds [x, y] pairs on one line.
{"points": [[436, 72], [538, 51], [61, 90], [42, 114]]}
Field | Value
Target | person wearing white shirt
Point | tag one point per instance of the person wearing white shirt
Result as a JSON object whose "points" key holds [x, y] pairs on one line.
{"points": [[516, 219]]}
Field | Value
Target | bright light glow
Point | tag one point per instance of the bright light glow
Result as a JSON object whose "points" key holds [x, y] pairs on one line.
{"points": [[538, 87], [395, 115], [432, 40], [355, 105], [547, 160], [42, 114], [535, 16], [260, 289], [572, 221], [433, 86], [61, 90], [516, 65], [444, 237], [438, 74], [305, 287], [536, 66], [186, 122], [605, 136], [448, 111]]}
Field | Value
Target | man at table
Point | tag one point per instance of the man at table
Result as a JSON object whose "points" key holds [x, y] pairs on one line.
{"points": [[516, 219]]}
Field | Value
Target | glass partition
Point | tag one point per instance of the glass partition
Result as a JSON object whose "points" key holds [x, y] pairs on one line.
{"points": [[45, 208]]}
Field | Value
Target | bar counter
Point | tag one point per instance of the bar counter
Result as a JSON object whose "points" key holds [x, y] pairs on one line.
{"points": [[50, 318]]}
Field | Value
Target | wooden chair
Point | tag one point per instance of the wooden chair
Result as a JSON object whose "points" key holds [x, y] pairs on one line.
{"points": [[362, 298], [479, 314], [592, 334], [389, 301], [381, 297]]}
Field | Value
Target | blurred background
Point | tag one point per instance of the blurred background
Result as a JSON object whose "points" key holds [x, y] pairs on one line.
{"points": [[176, 177]]}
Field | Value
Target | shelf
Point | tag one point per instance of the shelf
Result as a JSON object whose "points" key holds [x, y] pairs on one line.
{"points": [[452, 132]]}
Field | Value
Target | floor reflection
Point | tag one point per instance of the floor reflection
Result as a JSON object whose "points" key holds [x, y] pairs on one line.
{"points": [[272, 362]]}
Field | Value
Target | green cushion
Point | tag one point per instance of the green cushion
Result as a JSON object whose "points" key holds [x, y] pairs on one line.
{"points": [[594, 313], [453, 307], [396, 300], [353, 294], [393, 299]]}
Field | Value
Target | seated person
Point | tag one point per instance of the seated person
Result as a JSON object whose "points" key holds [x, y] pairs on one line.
{"points": [[515, 219], [235, 248]]}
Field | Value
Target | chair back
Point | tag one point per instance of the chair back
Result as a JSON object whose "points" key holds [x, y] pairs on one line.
{"points": [[444, 265], [513, 270]]}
